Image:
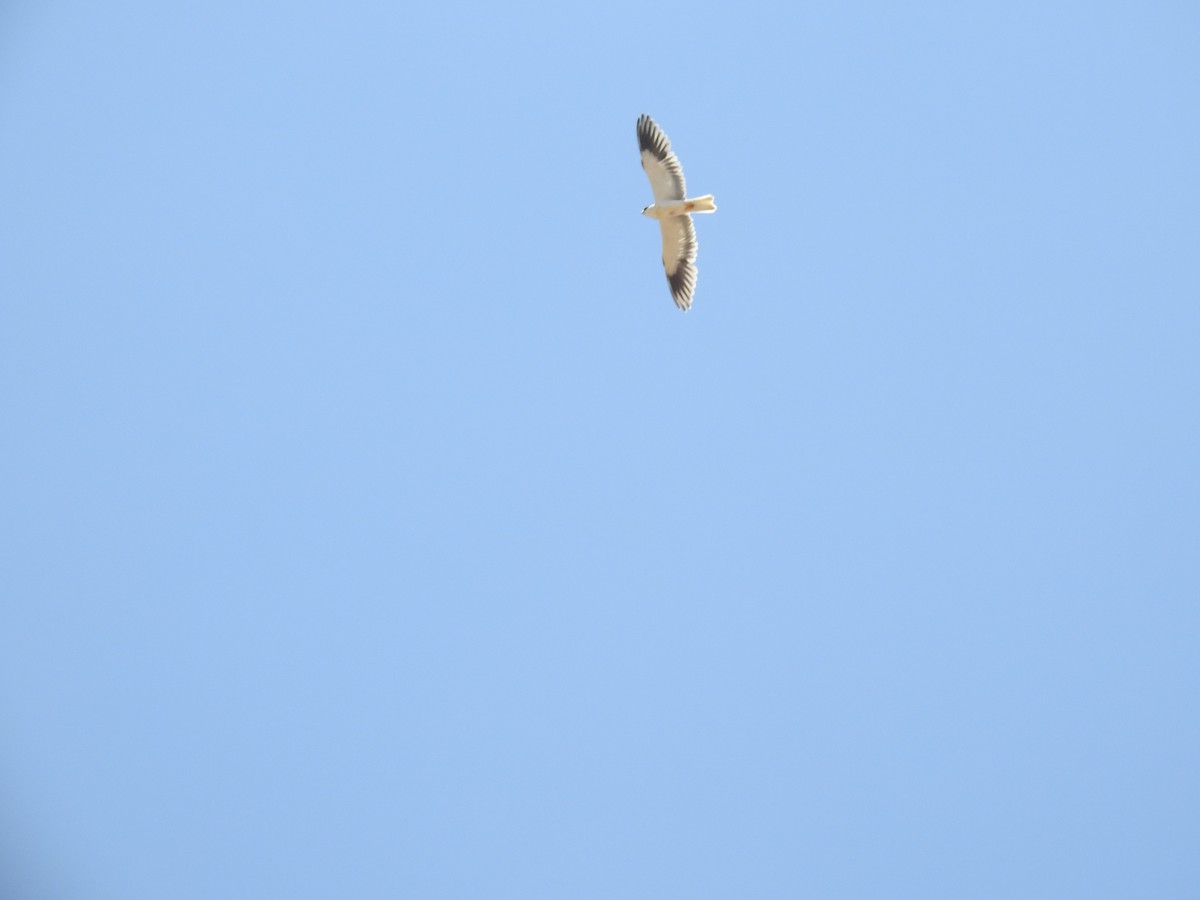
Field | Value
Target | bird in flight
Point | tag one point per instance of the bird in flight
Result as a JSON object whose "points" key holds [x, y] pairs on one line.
{"points": [[672, 208]]}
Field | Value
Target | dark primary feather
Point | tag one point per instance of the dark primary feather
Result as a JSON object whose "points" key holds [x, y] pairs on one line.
{"points": [[683, 285], [651, 137]]}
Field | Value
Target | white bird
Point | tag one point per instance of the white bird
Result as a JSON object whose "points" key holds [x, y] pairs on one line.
{"points": [[671, 207]]}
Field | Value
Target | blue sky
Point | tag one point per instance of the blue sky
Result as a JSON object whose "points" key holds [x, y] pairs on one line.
{"points": [[373, 525]]}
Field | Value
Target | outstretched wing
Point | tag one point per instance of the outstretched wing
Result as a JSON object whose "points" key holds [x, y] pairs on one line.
{"points": [[661, 165], [679, 258]]}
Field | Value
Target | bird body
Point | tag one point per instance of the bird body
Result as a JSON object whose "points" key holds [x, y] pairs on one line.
{"points": [[672, 208], [669, 208]]}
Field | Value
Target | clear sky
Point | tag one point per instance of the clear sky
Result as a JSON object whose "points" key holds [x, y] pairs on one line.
{"points": [[372, 525]]}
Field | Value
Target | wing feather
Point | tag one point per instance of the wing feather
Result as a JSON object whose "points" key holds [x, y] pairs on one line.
{"points": [[679, 258], [661, 165]]}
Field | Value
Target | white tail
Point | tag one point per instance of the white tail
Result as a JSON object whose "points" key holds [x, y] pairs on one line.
{"points": [[700, 204]]}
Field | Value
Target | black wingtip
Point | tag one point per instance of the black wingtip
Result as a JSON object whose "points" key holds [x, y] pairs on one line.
{"points": [[651, 137], [683, 285]]}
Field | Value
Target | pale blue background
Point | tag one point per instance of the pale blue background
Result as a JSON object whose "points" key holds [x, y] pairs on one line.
{"points": [[373, 525]]}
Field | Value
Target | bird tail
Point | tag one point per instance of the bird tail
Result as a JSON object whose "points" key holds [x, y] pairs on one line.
{"points": [[700, 204]]}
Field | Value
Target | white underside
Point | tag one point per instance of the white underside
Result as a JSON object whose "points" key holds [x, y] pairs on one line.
{"points": [[669, 208]]}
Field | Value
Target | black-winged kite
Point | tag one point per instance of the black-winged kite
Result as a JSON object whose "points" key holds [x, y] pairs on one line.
{"points": [[672, 209]]}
